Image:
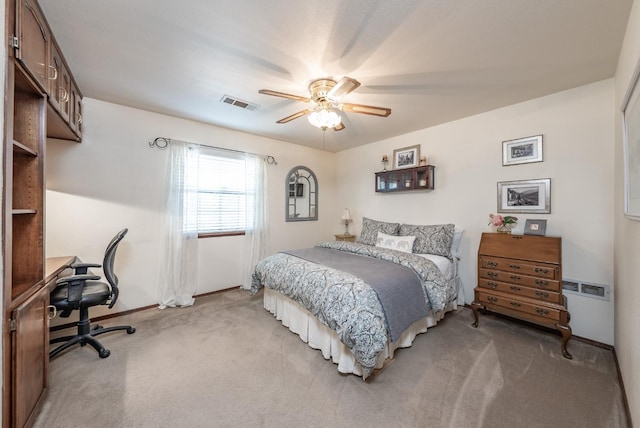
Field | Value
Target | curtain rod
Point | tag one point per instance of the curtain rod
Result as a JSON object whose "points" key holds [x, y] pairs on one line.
{"points": [[163, 142]]}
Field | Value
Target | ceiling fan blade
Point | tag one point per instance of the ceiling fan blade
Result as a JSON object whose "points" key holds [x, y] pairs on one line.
{"points": [[295, 116], [339, 127], [342, 88], [361, 108], [283, 95]]}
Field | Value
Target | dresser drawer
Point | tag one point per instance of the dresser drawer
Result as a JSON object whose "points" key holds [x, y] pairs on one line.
{"points": [[520, 305], [520, 290], [542, 270], [519, 279]]}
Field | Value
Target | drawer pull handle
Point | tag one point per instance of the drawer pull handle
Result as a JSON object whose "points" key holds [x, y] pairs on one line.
{"points": [[515, 277], [491, 284], [492, 264], [540, 311], [492, 274], [516, 304], [52, 311], [492, 299], [542, 294], [514, 288], [542, 282], [514, 266], [540, 270]]}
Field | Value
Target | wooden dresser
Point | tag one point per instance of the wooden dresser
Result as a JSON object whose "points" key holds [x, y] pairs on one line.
{"points": [[521, 276]]}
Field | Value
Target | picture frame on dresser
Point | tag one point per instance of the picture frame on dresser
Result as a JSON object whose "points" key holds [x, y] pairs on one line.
{"points": [[525, 196], [535, 227], [631, 147], [522, 150]]}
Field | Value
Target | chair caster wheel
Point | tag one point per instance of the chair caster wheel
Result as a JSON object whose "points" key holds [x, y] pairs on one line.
{"points": [[131, 330], [104, 353]]}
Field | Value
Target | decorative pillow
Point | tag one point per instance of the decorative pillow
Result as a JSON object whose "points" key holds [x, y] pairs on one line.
{"points": [[430, 239], [370, 228], [394, 242]]}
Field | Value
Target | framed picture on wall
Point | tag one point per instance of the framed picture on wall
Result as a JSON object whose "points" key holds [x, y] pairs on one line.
{"points": [[407, 157], [525, 196], [522, 150], [631, 147]]}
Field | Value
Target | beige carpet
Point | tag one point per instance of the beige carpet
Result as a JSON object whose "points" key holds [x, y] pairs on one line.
{"points": [[226, 362]]}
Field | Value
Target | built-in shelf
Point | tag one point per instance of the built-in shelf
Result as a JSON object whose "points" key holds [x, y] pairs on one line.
{"points": [[23, 211], [18, 147]]}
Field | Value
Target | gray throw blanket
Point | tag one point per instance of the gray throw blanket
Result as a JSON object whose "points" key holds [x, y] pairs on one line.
{"points": [[398, 288]]}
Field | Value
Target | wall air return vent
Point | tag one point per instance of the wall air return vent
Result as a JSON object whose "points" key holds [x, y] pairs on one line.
{"points": [[587, 289], [239, 103]]}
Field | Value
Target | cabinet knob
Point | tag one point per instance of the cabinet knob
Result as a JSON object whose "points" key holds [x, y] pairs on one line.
{"points": [[78, 118], [515, 277], [542, 294], [541, 311], [491, 284], [540, 270], [514, 266], [514, 288], [515, 304], [492, 264], [542, 282], [492, 274], [492, 299]]}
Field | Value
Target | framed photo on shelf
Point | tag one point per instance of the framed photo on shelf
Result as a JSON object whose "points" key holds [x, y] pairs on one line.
{"points": [[525, 196], [631, 147], [407, 157], [522, 150], [535, 227]]}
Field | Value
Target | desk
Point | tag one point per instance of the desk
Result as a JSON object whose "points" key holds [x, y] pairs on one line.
{"points": [[53, 267]]}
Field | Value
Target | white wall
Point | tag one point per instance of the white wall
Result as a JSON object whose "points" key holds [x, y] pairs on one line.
{"points": [[627, 235], [578, 157], [113, 180]]}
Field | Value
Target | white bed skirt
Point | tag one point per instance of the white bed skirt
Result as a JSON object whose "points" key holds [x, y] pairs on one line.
{"points": [[318, 336]]}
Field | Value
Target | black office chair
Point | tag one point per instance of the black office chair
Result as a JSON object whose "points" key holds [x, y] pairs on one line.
{"points": [[81, 291]]}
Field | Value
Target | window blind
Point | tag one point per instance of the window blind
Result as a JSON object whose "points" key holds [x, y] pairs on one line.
{"points": [[222, 193]]}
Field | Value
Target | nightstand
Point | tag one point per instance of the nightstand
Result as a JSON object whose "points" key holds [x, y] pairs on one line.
{"points": [[343, 237]]}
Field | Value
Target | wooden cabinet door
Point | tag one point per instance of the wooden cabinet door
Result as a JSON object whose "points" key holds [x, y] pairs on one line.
{"points": [[75, 120], [59, 83], [30, 356], [33, 41]]}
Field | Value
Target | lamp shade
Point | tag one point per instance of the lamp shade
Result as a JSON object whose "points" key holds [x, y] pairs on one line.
{"points": [[346, 215], [324, 118]]}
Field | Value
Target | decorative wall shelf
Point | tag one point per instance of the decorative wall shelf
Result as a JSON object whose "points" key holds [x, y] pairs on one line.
{"points": [[400, 180]]}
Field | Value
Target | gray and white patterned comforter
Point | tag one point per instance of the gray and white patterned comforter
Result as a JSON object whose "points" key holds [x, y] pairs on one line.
{"points": [[344, 302]]}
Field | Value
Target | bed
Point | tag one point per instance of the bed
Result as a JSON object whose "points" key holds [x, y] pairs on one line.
{"points": [[357, 302]]}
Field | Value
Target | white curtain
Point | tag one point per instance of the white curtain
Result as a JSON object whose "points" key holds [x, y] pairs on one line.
{"points": [[256, 238], [179, 271]]}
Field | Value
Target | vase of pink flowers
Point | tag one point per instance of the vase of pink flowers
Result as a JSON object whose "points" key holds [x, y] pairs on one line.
{"points": [[502, 224]]}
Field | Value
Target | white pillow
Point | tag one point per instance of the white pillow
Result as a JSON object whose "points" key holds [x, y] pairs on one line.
{"points": [[393, 242]]}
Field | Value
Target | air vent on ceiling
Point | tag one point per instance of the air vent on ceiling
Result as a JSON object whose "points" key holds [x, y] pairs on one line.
{"points": [[239, 103]]}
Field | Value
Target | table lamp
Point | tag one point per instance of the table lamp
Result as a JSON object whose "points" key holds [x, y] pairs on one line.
{"points": [[346, 217]]}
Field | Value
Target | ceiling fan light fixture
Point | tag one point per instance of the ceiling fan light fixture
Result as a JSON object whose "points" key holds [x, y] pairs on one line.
{"points": [[324, 118]]}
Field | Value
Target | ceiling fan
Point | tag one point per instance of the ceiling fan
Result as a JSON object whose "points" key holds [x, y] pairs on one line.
{"points": [[325, 95]]}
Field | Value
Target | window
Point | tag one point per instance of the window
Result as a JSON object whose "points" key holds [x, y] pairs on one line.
{"points": [[223, 206]]}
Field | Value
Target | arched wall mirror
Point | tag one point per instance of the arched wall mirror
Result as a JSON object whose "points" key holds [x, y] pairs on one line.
{"points": [[301, 195]]}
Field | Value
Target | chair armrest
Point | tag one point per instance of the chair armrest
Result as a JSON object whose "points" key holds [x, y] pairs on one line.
{"points": [[82, 268], [71, 278]]}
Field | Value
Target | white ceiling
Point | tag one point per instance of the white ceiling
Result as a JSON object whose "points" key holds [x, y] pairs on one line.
{"points": [[430, 61]]}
